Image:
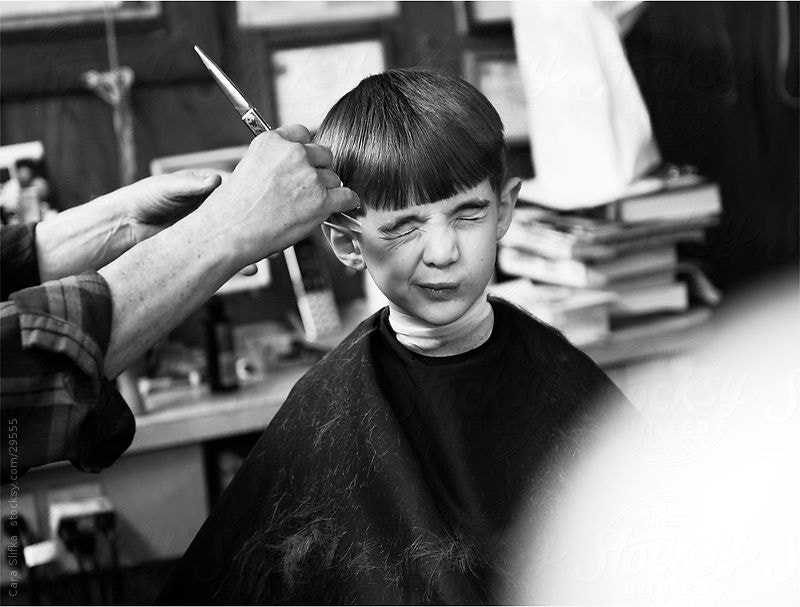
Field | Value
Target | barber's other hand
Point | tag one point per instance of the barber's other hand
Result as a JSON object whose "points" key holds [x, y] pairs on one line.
{"points": [[159, 201], [281, 190]]}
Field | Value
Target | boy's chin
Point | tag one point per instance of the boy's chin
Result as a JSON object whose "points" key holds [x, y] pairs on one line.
{"points": [[443, 313]]}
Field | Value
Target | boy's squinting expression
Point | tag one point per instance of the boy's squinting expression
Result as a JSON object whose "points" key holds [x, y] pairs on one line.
{"points": [[434, 260]]}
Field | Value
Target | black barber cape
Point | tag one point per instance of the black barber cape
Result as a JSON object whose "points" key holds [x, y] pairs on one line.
{"points": [[388, 477]]}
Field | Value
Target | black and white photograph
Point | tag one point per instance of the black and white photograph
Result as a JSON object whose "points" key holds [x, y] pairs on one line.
{"points": [[392, 302]]}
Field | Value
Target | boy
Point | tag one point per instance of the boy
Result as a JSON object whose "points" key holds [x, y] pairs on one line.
{"points": [[395, 469]]}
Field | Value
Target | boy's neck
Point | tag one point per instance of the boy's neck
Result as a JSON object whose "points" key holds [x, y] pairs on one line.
{"points": [[466, 333]]}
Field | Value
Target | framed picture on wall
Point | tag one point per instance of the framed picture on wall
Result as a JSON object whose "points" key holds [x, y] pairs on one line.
{"points": [[487, 16], [311, 12], [308, 80], [496, 74], [23, 14], [222, 159]]}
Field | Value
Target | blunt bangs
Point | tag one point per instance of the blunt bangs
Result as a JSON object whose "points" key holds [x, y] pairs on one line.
{"points": [[410, 137]]}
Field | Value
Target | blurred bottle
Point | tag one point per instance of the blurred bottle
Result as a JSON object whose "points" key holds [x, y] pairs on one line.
{"points": [[34, 192], [220, 350]]}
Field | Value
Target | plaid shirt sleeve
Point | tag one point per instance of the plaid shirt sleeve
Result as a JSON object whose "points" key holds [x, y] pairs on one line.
{"points": [[54, 393]]}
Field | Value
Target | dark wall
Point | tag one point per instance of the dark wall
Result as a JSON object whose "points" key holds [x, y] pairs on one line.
{"points": [[175, 104], [177, 107], [719, 98]]}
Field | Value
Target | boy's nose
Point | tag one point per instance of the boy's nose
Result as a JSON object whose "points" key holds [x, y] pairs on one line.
{"points": [[441, 248]]}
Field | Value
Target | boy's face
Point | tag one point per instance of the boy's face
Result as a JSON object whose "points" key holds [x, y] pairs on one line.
{"points": [[433, 261]]}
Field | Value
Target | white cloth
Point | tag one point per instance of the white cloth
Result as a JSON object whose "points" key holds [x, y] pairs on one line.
{"points": [[589, 128], [426, 338]]}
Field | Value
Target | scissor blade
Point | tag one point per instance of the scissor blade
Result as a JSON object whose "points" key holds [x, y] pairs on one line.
{"points": [[343, 223], [233, 94]]}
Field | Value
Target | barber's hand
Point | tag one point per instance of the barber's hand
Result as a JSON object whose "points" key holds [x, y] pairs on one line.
{"points": [[91, 235], [159, 201], [281, 190]]}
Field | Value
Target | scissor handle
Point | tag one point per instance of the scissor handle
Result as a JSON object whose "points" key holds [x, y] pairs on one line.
{"points": [[253, 120], [258, 125]]}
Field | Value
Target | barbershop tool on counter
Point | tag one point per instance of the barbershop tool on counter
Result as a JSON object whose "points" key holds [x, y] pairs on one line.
{"points": [[257, 125]]}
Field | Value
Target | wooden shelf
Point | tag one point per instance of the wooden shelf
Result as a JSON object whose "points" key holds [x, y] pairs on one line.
{"points": [[666, 336], [192, 415]]}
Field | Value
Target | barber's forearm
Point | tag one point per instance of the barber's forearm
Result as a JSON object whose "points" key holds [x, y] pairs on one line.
{"points": [[159, 282], [82, 238]]}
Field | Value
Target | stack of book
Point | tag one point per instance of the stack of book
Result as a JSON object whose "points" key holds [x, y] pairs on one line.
{"points": [[617, 262], [582, 315]]}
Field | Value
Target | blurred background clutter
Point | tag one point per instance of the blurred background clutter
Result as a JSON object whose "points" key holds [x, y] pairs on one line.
{"points": [[657, 141]]}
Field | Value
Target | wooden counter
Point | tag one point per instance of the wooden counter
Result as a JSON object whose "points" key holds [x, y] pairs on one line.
{"points": [[193, 415], [184, 416]]}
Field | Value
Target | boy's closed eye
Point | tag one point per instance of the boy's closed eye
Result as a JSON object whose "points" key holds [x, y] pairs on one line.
{"points": [[474, 215], [399, 229], [469, 210]]}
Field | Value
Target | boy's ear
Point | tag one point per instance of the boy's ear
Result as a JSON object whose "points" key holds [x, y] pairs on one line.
{"points": [[508, 199], [345, 246]]}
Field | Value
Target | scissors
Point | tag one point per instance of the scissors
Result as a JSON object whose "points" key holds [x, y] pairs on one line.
{"points": [[257, 125]]}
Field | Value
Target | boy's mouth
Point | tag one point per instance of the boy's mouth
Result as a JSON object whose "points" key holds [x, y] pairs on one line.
{"points": [[439, 289]]}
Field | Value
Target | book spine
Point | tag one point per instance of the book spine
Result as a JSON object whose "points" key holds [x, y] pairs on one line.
{"points": [[563, 271], [575, 273]]}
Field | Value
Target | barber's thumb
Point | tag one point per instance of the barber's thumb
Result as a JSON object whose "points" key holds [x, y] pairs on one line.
{"points": [[294, 132], [342, 199], [196, 182]]}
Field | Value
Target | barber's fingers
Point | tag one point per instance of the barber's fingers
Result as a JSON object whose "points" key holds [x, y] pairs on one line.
{"points": [[318, 155], [337, 197], [188, 183], [198, 174], [294, 132], [328, 179], [341, 199]]}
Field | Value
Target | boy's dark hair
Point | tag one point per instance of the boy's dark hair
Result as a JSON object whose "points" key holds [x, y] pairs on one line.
{"points": [[414, 136]]}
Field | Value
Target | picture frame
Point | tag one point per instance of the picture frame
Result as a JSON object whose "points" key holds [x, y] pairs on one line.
{"points": [[11, 155], [284, 14], [25, 15], [487, 16], [308, 78], [24, 188], [495, 73], [222, 159]]}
